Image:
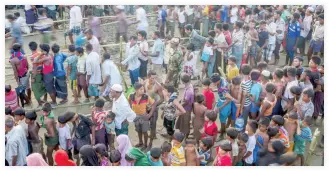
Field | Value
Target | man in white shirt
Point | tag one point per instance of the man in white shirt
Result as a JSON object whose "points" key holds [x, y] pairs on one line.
{"points": [[16, 143], [316, 43], [234, 14], [93, 68], [271, 29], [305, 30], [93, 41], [288, 97], [132, 52], [280, 27], [123, 112], [190, 14], [111, 74], [75, 22], [157, 55], [141, 19]]}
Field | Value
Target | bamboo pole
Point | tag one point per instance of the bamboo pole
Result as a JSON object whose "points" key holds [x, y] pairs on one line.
{"points": [[201, 29]]}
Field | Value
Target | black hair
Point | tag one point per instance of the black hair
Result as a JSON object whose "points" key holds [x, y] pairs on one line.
{"points": [[239, 24], [155, 153], [208, 142], [32, 115], [293, 115], [264, 121], [138, 85], [232, 58], [69, 116], [199, 98], [232, 132], [272, 131], [219, 26], [248, 12], [288, 158], [133, 38], [299, 58], [99, 103], [206, 82], [278, 119], [8, 110], [19, 111], [89, 47], [309, 92], [179, 136], [296, 16], [270, 87], [316, 60], [189, 27], [17, 14], [46, 107], [297, 90], [115, 156], [254, 75], [225, 145], [17, 47], [308, 72], [246, 27], [71, 48], [190, 47], [262, 22], [79, 50], [7, 88], [285, 71], [278, 12], [215, 77], [243, 137], [212, 33], [10, 17], [262, 65], [185, 78], [246, 69], [278, 147], [160, 6], [143, 34], [106, 56], [169, 87], [33, 46], [157, 33], [165, 147], [308, 120], [168, 37], [88, 31], [291, 71], [88, 12], [62, 119], [211, 115], [210, 40], [236, 80], [111, 115], [269, 9], [279, 73], [253, 125], [225, 27]]}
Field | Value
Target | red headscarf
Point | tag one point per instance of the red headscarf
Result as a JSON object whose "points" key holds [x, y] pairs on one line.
{"points": [[62, 159]]}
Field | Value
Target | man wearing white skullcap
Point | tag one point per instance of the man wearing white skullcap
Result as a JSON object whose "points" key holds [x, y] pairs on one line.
{"points": [[123, 112]]}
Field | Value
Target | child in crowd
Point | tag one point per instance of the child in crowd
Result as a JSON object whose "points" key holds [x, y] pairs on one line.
{"points": [[8, 111], [232, 70], [208, 94], [154, 157], [205, 150], [251, 130], [191, 153], [231, 135], [275, 134], [207, 55], [264, 79], [279, 85], [115, 158], [19, 114], [190, 61], [305, 107], [177, 151], [165, 153], [223, 157], [210, 127], [98, 116], [33, 133], [290, 124], [235, 103], [268, 103], [305, 79], [261, 66], [72, 61], [242, 142], [102, 154], [199, 116], [109, 124], [167, 52], [303, 134], [255, 91], [278, 121], [246, 44], [262, 138], [245, 92], [288, 159], [65, 140]]}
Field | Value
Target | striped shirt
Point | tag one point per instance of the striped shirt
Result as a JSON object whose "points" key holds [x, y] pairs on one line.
{"points": [[98, 118], [178, 155], [206, 157], [246, 86]]}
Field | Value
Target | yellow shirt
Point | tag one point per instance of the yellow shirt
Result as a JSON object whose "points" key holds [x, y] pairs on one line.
{"points": [[178, 155], [232, 72]]}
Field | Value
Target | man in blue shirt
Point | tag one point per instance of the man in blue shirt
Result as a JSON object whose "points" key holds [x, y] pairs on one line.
{"points": [[292, 38], [162, 15], [60, 74], [16, 32]]}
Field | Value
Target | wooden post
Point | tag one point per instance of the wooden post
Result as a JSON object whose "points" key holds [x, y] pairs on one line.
{"points": [[312, 147], [201, 29], [121, 49]]}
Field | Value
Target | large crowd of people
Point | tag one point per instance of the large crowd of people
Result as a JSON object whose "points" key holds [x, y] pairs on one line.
{"points": [[265, 115]]}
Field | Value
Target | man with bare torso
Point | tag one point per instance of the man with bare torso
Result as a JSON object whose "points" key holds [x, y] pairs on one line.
{"points": [[254, 38]]}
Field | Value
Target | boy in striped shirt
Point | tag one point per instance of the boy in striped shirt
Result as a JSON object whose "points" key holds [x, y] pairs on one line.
{"points": [[245, 92]]}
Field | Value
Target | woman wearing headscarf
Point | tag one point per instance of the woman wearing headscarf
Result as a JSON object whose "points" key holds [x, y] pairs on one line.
{"points": [[35, 159], [102, 154], [137, 157], [271, 154], [124, 145], [88, 156], [62, 159]]}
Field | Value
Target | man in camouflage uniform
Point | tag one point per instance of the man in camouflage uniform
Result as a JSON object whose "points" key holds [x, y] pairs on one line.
{"points": [[175, 63]]}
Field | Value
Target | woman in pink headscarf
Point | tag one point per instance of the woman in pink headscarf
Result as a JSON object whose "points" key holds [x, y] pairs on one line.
{"points": [[124, 145], [35, 159]]}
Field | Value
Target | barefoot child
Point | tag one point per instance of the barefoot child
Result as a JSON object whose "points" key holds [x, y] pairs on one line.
{"points": [[210, 127], [109, 125], [190, 60], [274, 134], [242, 141], [290, 124], [165, 153], [33, 133], [115, 158], [251, 128], [205, 150], [235, 104], [64, 134], [231, 135], [207, 55], [154, 157], [199, 114], [303, 134], [245, 92], [268, 103], [72, 62], [191, 153], [101, 151], [223, 157], [279, 85], [177, 151], [256, 90], [232, 70], [262, 138], [208, 94]]}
